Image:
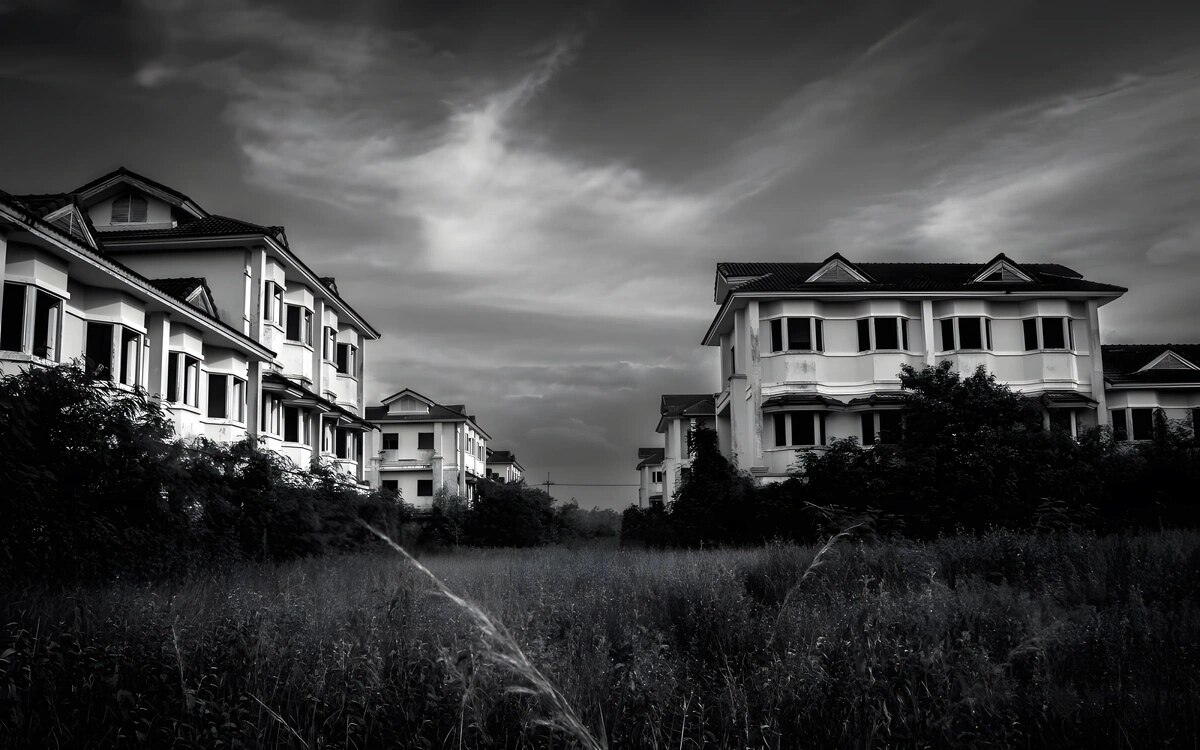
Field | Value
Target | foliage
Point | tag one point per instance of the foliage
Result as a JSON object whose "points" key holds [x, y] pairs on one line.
{"points": [[972, 456], [96, 487], [995, 640]]}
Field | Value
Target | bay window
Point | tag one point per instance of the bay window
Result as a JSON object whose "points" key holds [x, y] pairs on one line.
{"points": [[36, 335], [346, 361], [329, 345], [269, 422], [883, 334], [1132, 424], [98, 349], [273, 303], [298, 324], [966, 334], [1055, 333], [797, 335], [799, 428], [183, 379], [295, 425], [226, 397]]}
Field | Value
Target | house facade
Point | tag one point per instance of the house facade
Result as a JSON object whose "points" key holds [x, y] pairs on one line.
{"points": [[650, 477], [503, 467], [301, 392], [811, 352], [65, 299], [1142, 379], [418, 447]]}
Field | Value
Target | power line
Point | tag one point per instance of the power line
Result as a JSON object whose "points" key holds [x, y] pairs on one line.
{"points": [[551, 483]]}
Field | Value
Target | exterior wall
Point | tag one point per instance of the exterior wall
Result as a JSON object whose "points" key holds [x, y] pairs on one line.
{"points": [[297, 357], [752, 373], [507, 473], [157, 213], [675, 453], [647, 486], [448, 464], [222, 268]]}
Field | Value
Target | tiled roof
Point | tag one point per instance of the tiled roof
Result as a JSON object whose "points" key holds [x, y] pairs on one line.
{"points": [[688, 405], [801, 399], [650, 456], [436, 413], [211, 226], [501, 457], [180, 288], [119, 171], [271, 376], [1122, 362], [906, 277], [44, 203]]}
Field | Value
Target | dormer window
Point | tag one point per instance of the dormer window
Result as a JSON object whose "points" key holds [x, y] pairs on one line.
{"points": [[129, 209]]}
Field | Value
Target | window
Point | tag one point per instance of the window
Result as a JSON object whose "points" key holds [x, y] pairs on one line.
{"points": [[183, 379], [882, 334], [238, 401], [272, 302], [781, 430], [343, 444], [890, 425], [987, 332], [970, 333], [270, 422], [45, 325], [1031, 334], [887, 333], [391, 441], [218, 407], [129, 209], [391, 486], [1060, 420], [329, 346], [425, 441], [799, 334], [948, 335], [1054, 333], [12, 318], [656, 477], [1119, 427], [98, 349], [777, 335], [346, 354], [298, 324], [131, 356], [1143, 423], [732, 360], [424, 488], [868, 428], [807, 428], [803, 432], [295, 425]]}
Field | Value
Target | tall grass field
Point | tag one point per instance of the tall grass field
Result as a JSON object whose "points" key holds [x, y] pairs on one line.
{"points": [[1008, 640]]}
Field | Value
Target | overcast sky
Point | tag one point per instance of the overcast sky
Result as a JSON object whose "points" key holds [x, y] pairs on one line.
{"points": [[529, 200]]}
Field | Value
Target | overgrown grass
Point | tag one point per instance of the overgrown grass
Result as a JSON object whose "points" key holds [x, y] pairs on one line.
{"points": [[1008, 640]]}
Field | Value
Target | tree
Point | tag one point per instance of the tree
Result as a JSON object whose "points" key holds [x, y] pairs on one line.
{"points": [[714, 501]]}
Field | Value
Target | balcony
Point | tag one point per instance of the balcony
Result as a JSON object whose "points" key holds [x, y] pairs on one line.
{"points": [[397, 459]]}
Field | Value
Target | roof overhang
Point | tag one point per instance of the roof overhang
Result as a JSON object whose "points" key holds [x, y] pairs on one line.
{"points": [[722, 321], [79, 253]]}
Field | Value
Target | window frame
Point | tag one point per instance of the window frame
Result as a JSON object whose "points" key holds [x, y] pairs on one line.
{"points": [[129, 199], [349, 366], [422, 486], [954, 327], [868, 328], [389, 437], [786, 422]]}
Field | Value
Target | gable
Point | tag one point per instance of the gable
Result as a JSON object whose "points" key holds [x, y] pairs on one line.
{"points": [[836, 270], [1169, 360], [71, 221], [130, 209], [1001, 269], [123, 181]]}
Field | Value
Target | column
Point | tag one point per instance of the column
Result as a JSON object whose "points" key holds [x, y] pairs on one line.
{"points": [[1097, 359], [927, 329]]}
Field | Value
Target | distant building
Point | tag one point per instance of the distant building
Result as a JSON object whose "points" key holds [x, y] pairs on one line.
{"points": [[1141, 379], [419, 447], [650, 475], [678, 414], [298, 387], [811, 352], [502, 466]]}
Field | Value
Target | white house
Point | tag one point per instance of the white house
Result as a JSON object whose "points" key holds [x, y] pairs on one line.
{"points": [[65, 297], [503, 467], [678, 414], [419, 446], [248, 277], [650, 477], [811, 351], [1141, 379]]}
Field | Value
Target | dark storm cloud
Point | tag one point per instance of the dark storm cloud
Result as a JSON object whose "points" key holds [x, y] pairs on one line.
{"points": [[528, 202]]}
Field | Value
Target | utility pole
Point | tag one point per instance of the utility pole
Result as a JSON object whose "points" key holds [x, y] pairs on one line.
{"points": [[547, 483]]}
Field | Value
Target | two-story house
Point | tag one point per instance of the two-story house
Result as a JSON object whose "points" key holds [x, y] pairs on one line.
{"points": [[307, 401], [1141, 379], [419, 446], [678, 414], [503, 467], [65, 298], [811, 352], [650, 477]]}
